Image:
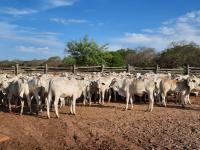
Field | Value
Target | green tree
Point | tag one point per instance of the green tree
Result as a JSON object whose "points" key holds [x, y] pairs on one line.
{"points": [[116, 59], [68, 61], [180, 54], [125, 52], [86, 52], [54, 61]]}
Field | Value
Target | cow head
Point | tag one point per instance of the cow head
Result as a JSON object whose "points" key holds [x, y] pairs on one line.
{"points": [[4, 84], [114, 84], [193, 82]]}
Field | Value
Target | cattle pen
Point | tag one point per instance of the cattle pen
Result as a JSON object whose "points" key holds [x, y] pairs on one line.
{"points": [[187, 70], [96, 125]]}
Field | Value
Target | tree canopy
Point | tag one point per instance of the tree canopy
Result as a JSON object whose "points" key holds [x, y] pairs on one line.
{"points": [[87, 52], [180, 54]]}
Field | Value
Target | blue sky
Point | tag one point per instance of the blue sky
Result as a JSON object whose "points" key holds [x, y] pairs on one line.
{"points": [[37, 29]]}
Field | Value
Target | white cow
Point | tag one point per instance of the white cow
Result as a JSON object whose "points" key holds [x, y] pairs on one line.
{"points": [[64, 87], [34, 89], [183, 87], [18, 88], [103, 86], [130, 87]]}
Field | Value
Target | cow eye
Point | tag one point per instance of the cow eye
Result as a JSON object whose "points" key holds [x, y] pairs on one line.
{"points": [[103, 83], [193, 81]]}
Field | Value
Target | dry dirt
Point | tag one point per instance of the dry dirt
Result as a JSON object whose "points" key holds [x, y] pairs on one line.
{"points": [[106, 127]]}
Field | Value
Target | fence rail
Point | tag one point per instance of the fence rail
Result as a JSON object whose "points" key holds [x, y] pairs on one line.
{"points": [[131, 69]]}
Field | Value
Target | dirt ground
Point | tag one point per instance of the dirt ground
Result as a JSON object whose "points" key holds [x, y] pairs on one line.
{"points": [[105, 127]]}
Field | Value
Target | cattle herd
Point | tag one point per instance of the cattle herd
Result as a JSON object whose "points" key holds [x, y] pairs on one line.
{"points": [[49, 90]]}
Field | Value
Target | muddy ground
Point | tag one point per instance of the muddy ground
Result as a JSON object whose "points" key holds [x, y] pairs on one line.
{"points": [[106, 127]]}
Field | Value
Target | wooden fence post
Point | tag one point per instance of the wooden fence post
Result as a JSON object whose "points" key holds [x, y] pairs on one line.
{"points": [[74, 68], [157, 69], [16, 69], [188, 69], [102, 67], [46, 69], [128, 68]]}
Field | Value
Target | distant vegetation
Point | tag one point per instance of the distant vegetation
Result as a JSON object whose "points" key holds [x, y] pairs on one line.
{"points": [[86, 52]]}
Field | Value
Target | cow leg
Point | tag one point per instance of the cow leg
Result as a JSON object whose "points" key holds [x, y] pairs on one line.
{"points": [[74, 105], [29, 103], [188, 99], [22, 105], [56, 105], [9, 102], [155, 95], [131, 101], [48, 102], [183, 100], [71, 108], [37, 102], [176, 98], [84, 97], [109, 91], [151, 101], [100, 97], [84, 101], [40, 105], [62, 102], [89, 96], [127, 100], [103, 96], [115, 96], [163, 95]]}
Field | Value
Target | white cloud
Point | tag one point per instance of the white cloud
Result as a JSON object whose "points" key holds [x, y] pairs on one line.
{"points": [[186, 27], [167, 30], [170, 21], [31, 49], [190, 17], [148, 30], [41, 43], [68, 21], [14, 32], [58, 3], [43, 6], [17, 12], [51, 4]]}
